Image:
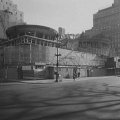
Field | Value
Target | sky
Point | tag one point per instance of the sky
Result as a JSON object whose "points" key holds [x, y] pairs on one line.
{"points": [[73, 15]]}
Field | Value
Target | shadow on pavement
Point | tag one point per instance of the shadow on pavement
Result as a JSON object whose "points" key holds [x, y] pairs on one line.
{"points": [[78, 102]]}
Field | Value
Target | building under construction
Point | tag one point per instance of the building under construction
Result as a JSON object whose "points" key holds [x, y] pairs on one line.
{"points": [[29, 51]]}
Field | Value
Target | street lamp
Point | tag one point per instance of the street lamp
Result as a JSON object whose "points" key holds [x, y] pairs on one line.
{"points": [[57, 75]]}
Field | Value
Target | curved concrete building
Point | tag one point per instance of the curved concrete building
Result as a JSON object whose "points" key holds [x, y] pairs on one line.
{"points": [[31, 30]]}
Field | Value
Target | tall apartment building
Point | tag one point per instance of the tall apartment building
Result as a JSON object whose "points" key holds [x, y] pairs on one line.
{"points": [[107, 22], [10, 15]]}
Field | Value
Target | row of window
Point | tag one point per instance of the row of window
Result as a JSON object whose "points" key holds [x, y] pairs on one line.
{"points": [[101, 27], [107, 16], [115, 45], [31, 41], [107, 22], [108, 12], [33, 33]]}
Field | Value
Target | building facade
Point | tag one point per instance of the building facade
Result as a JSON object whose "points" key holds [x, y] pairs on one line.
{"points": [[107, 22], [9, 16]]}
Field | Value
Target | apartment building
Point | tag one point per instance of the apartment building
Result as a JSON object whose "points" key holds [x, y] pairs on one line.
{"points": [[107, 22], [9, 15]]}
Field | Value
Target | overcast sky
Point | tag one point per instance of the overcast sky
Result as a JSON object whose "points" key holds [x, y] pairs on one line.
{"points": [[73, 15]]}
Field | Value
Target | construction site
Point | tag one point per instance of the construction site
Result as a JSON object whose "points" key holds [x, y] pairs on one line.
{"points": [[38, 52], [30, 53]]}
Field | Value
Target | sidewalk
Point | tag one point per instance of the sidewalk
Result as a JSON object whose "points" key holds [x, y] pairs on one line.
{"points": [[63, 80], [52, 81]]}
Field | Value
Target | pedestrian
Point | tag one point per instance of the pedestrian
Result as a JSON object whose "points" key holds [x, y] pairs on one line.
{"points": [[74, 76], [78, 74], [74, 73]]}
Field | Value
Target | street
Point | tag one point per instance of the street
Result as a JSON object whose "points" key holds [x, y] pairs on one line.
{"points": [[85, 99]]}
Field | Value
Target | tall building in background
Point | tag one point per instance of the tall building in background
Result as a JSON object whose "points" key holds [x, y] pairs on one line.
{"points": [[9, 15], [107, 22], [116, 2], [61, 32]]}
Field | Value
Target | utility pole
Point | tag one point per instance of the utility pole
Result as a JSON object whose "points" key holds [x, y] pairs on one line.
{"points": [[116, 64]]}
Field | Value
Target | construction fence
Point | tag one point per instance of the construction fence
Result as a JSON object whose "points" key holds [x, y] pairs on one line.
{"points": [[27, 54]]}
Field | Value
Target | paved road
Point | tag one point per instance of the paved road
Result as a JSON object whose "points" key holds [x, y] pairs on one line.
{"points": [[83, 99]]}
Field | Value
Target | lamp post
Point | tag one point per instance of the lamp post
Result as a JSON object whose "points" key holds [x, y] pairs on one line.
{"points": [[57, 75], [116, 65]]}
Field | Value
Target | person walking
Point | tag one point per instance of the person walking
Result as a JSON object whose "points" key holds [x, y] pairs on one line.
{"points": [[74, 76], [74, 73], [78, 74]]}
